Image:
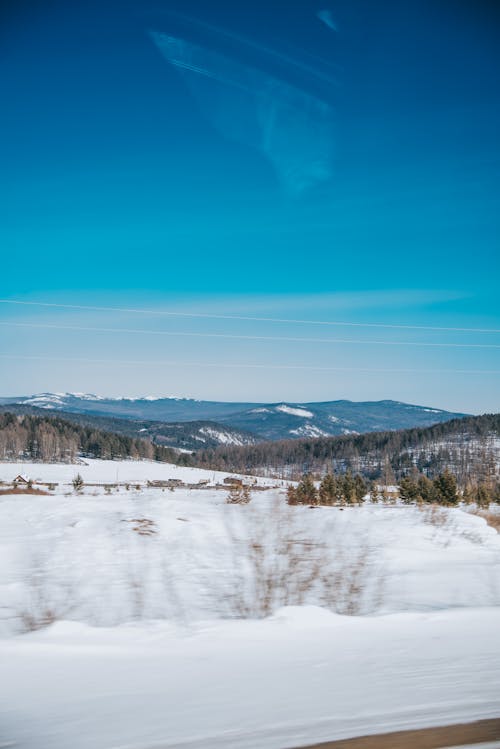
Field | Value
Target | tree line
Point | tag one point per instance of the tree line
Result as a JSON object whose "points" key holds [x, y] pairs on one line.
{"points": [[465, 446], [348, 489], [51, 440]]}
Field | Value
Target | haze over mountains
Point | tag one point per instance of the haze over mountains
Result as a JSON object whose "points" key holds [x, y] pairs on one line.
{"points": [[195, 423]]}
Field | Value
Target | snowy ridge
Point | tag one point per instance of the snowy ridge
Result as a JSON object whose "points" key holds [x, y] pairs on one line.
{"points": [[295, 411], [265, 421]]}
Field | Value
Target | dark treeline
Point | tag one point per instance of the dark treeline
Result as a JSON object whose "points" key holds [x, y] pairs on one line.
{"points": [[51, 439], [464, 446], [346, 489]]}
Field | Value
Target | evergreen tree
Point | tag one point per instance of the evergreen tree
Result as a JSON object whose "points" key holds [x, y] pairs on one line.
{"points": [[445, 486], [483, 497], [408, 490], [426, 490], [77, 483], [359, 489], [291, 495], [349, 489], [328, 490], [306, 492]]}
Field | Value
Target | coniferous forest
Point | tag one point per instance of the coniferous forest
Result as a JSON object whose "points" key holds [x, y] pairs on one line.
{"points": [[468, 447]]}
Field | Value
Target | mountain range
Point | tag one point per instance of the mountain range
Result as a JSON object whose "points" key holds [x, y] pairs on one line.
{"points": [[193, 424]]}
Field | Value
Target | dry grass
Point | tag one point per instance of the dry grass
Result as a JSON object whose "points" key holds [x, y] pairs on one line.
{"points": [[144, 526], [18, 490], [492, 518], [275, 563], [45, 602], [435, 515]]}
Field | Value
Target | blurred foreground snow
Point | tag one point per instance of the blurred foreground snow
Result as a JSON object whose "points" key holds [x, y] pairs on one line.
{"points": [[178, 620]]}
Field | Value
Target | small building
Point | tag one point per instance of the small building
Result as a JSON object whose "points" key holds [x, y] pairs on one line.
{"points": [[22, 480], [233, 481], [168, 483]]}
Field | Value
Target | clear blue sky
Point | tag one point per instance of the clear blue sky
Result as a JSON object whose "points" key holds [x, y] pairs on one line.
{"points": [[337, 162]]}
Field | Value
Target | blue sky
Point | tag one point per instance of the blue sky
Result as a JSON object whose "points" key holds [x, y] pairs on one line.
{"points": [[326, 171]]}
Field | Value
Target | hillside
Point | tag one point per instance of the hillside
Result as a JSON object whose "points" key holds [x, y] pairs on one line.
{"points": [[469, 447], [257, 421], [186, 435], [465, 446], [53, 439]]}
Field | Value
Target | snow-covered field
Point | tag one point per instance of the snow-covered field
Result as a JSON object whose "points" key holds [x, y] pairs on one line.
{"points": [[115, 471], [176, 620]]}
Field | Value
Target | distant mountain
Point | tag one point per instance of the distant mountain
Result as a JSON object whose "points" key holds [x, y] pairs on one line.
{"points": [[251, 421], [185, 436], [332, 418]]}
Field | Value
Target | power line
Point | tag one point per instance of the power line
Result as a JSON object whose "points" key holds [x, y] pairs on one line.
{"points": [[213, 316], [243, 365], [234, 336]]}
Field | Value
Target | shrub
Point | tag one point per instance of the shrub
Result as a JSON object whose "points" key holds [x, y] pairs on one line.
{"points": [[78, 483]]}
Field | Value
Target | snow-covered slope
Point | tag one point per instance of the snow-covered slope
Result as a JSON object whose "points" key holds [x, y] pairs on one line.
{"points": [[88, 548], [162, 634], [304, 675], [117, 471]]}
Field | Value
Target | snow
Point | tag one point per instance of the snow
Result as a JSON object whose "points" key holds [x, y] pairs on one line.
{"points": [[161, 637], [309, 430], [113, 471], [295, 411], [297, 677], [222, 436]]}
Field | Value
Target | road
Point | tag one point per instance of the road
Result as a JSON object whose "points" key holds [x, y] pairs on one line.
{"points": [[481, 732]]}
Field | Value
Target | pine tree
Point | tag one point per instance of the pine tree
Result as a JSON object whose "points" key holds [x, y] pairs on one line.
{"points": [[349, 489], [426, 490], [77, 483], [306, 492], [359, 489], [445, 486], [291, 495], [328, 490], [408, 490], [483, 497]]}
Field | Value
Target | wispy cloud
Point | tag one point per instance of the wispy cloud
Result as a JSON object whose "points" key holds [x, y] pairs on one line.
{"points": [[327, 18], [289, 126]]}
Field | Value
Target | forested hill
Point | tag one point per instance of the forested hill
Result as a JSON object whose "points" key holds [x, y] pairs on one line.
{"points": [[52, 439], [462, 445]]}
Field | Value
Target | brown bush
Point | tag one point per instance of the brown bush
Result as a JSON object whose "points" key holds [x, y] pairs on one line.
{"points": [[492, 518]]}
